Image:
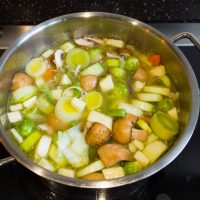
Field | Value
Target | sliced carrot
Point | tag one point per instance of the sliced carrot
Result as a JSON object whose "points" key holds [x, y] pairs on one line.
{"points": [[49, 74], [154, 59], [54, 122], [139, 134]]}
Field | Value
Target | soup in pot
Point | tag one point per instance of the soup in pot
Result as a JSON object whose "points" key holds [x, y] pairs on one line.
{"points": [[94, 109]]}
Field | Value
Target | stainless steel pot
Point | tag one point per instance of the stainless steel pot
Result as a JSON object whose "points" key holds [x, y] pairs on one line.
{"points": [[98, 24]]}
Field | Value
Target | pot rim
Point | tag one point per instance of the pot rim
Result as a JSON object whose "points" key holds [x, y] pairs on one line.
{"points": [[161, 163]]}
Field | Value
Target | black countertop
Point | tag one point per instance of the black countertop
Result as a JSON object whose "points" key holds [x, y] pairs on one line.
{"points": [[22, 12]]}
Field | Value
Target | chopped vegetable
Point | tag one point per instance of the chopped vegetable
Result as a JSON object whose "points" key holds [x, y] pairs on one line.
{"points": [[95, 176], [131, 109], [132, 167], [165, 80], [93, 100], [148, 107], [121, 89], [16, 135], [138, 144], [157, 90], [95, 116], [132, 148], [77, 56], [95, 69], [24, 93], [173, 113], [30, 141], [117, 112], [16, 107], [106, 84], [131, 64], [154, 59], [67, 46], [47, 164], [43, 146], [138, 86], [78, 104], [142, 124], [14, 116], [140, 75], [84, 42], [139, 134], [57, 156], [48, 53], [67, 172], [30, 102], [141, 158], [113, 172], [44, 106], [166, 104], [36, 67], [96, 54], [26, 126], [118, 72], [154, 150], [65, 80], [149, 97], [157, 71], [113, 62], [163, 125], [151, 138], [56, 94], [65, 111], [93, 167]]}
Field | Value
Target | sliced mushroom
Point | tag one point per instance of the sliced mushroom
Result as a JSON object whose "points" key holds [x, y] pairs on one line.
{"points": [[59, 58], [111, 54], [124, 52], [88, 82], [133, 118], [96, 40], [83, 42], [111, 154], [95, 176], [140, 75], [139, 134], [97, 134], [21, 79]]}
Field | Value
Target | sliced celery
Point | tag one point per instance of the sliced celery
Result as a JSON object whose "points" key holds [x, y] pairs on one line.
{"points": [[44, 106], [143, 125], [95, 69], [149, 97], [156, 89], [30, 141], [148, 107]]}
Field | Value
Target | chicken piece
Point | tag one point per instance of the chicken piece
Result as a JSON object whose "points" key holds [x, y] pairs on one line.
{"points": [[111, 154], [95, 176], [121, 131], [21, 79], [88, 82], [97, 134], [139, 134], [140, 75]]}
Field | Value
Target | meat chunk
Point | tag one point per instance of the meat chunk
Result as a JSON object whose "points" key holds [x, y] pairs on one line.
{"points": [[97, 134], [88, 82], [111, 154], [140, 75], [95, 176], [21, 79]]}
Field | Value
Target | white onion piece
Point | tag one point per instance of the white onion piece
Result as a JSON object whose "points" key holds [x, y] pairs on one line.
{"points": [[59, 58]]}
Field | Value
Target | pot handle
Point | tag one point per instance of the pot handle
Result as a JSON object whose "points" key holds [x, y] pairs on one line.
{"points": [[188, 36], [7, 160]]}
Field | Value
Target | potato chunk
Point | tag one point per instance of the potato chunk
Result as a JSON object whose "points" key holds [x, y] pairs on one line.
{"points": [[111, 154], [95, 176], [140, 75]]}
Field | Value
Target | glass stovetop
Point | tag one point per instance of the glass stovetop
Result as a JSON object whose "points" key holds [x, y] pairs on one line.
{"points": [[178, 181]]}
